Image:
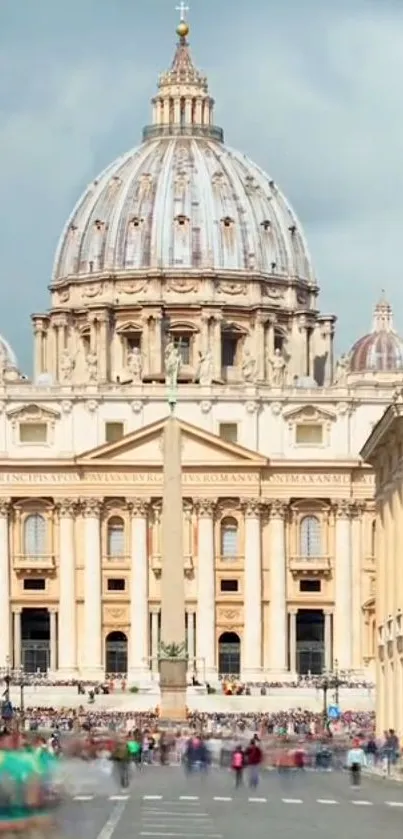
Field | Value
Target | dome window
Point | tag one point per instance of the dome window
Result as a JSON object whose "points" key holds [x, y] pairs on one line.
{"points": [[293, 229], [266, 224], [271, 184], [273, 266], [181, 220], [99, 225], [136, 221], [227, 221]]}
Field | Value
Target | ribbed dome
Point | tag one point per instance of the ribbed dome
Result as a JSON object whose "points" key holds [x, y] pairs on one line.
{"points": [[381, 351], [183, 200]]}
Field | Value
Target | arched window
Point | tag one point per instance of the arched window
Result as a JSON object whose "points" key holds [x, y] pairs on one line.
{"points": [[373, 538], [35, 535], [229, 538], [310, 537], [116, 537]]}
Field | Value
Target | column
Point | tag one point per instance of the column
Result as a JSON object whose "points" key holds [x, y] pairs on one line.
{"points": [[357, 551], [293, 639], [191, 640], [328, 640], [139, 670], [217, 346], [278, 606], [104, 347], [205, 652], [38, 357], [67, 641], [53, 640], [156, 356], [343, 585], [5, 639], [252, 647], [145, 344], [17, 637], [259, 350], [154, 638], [92, 637]]}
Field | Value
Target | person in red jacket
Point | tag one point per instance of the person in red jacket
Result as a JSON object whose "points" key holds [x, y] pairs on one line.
{"points": [[253, 759]]}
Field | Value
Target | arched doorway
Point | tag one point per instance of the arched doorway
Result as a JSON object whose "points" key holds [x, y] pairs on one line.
{"points": [[116, 653], [229, 654], [310, 641]]}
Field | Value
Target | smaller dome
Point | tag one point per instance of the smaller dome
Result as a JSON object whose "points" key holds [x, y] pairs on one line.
{"points": [[381, 351]]}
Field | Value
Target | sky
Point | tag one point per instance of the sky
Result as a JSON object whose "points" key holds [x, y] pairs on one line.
{"points": [[309, 89]]}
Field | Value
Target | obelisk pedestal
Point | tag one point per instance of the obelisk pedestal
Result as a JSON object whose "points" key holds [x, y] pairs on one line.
{"points": [[173, 654]]}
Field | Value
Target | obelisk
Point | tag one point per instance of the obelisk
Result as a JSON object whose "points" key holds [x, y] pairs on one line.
{"points": [[172, 653]]}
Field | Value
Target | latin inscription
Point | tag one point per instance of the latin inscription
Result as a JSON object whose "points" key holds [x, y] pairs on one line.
{"points": [[139, 478]]}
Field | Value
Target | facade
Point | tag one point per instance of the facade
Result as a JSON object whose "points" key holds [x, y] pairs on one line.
{"points": [[184, 245], [384, 451]]}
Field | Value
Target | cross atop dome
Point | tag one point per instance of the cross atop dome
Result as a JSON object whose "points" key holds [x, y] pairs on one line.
{"points": [[183, 27]]}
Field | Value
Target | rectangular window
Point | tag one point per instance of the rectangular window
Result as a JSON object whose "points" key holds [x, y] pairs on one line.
{"points": [[309, 434], [228, 351], [228, 431], [133, 343], [312, 586], [34, 584], [183, 344], [227, 586], [33, 432], [116, 584], [114, 431]]}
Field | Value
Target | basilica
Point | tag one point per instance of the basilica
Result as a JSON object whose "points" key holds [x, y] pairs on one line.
{"points": [[183, 245]]}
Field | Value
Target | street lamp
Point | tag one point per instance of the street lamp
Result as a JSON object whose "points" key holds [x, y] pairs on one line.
{"points": [[325, 688], [336, 682]]}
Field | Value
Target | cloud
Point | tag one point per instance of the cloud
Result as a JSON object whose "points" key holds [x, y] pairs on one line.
{"points": [[309, 90]]}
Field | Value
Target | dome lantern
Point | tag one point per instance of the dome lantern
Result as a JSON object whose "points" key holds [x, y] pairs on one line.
{"points": [[183, 105]]}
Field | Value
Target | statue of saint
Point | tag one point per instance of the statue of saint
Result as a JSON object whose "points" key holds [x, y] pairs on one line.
{"points": [[206, 368], [248, 366], [278, 366], [135, 365], [341, 370], [66, 367], [173, 362], [92, 366]]}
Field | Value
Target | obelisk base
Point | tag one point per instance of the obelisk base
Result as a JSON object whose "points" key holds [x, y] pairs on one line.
{"points": [[173, 689]]}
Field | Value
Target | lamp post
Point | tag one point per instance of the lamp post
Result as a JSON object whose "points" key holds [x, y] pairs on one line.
{"points": [[336, 682], [325, 688], [21, 683]]}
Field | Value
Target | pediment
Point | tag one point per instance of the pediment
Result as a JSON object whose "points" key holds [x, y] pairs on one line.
{"points": [[129, 326], [199, 448], [309, 413], [33, 412]]}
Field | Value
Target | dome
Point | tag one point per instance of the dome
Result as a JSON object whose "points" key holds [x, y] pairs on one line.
{"points": [[381, 351], [183, 199]]}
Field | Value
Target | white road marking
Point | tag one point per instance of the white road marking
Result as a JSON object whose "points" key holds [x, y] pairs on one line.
{"points": [[83, 798], [326, 801], [113, 821], [362, 803], [177, 814], [394, 803], [188, 798], [187, 834], [152, 797], [119, 797], [292, 800], [258, 800], [221, 798]]}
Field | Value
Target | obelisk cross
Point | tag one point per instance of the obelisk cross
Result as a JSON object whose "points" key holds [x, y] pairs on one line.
{"points": [[182, 9]]}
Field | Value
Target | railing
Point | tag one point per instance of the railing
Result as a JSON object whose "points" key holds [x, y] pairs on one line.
{"points": [[307, 564], [151, 132], [25, 562]]}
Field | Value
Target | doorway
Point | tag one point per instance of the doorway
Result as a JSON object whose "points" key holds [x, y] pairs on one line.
{"points": [[116, 653], [310, 641], [35, 640], [229, 654]]}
